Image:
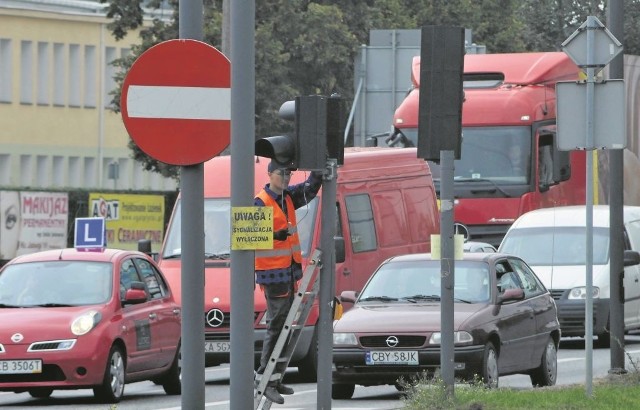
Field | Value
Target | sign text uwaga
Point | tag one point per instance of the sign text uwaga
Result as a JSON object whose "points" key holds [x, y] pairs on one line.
{"points": [[252, 227]]}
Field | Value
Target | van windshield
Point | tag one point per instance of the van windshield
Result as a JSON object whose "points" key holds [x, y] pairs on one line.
{"points": [[217, 229], [556, 246]]}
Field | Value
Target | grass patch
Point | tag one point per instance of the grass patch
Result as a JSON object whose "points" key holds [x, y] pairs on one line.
{"points": [[614, 392]]}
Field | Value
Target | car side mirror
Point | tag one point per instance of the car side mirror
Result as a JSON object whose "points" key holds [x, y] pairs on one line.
{"points": [[135, 294], [631, 258], [339, 245], [510, 295], [348, 296]]}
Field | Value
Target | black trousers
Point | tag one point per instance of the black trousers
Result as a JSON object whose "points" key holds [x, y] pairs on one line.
{"points": [[279, 297]]}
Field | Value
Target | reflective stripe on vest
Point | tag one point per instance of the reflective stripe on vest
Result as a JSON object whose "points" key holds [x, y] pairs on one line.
{"points": [[282, 252]]}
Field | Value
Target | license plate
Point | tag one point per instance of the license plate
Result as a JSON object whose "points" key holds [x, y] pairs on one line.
{"points": [[405, 357], [20, 366], [217, 347]]}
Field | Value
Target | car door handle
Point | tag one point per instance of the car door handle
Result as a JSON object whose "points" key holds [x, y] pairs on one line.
{"points": [[153, 316], [346, 272]]}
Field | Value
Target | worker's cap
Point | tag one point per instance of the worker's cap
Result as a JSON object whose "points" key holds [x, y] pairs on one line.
{"points": [[273, 165]]}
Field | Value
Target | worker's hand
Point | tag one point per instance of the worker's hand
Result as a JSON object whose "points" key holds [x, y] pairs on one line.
{"points": [[281, 235]]}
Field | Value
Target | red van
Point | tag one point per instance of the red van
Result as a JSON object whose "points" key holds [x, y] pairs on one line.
{"points": [[386, 205]]}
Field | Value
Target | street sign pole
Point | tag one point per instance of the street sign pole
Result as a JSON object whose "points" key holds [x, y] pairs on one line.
{"points": [[591, 26], [591, 47], [192, 277], [242, 193]]}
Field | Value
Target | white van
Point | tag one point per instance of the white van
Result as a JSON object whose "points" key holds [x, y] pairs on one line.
{"points": [[553, 242]]}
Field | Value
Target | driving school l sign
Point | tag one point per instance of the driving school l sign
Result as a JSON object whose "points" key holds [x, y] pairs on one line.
{"points": [[251, 228], [176, 102]]}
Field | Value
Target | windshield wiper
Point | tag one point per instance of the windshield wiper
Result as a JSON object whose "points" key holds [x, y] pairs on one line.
{"points": [[216, 255], [496, 186], [415, 298], [173, 256], [462, 300], [381, 298], [6, 305], [51, 305]]}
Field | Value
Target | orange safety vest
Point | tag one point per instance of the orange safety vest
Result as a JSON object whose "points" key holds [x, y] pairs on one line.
{"points": [[282, 252]]}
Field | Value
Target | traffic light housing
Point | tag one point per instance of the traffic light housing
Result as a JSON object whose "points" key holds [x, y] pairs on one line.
{"points": [[441, 92], [317, 134]]}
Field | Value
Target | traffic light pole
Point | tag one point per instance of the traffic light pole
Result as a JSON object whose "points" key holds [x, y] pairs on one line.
{"points": [[327, 285]]}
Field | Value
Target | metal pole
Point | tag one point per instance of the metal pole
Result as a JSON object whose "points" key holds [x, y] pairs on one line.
{"points": [[616, 203], [327, 285], [242, 192], [192, 278], [447, 271], [591, 27]]}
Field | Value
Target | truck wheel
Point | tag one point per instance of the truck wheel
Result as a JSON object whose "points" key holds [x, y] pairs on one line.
{"points": [[490, 366], [172, 381], [112, 388], [342, 391], [546, 374], [308, 367]]}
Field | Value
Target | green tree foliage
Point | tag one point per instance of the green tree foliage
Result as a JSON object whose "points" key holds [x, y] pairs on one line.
{"points": [[309, 46]]}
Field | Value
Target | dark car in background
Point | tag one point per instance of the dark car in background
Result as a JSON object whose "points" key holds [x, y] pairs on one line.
{"points": [[87, 320], [505, 322]]}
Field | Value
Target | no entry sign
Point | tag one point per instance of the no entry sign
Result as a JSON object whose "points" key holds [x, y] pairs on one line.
{"points": [[176, 102]]}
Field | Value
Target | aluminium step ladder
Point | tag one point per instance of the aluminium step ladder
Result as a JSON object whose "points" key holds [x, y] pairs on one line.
{"points": [[291, 331]]}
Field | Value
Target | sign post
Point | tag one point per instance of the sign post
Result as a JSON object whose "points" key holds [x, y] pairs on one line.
{"points": [[176, 107], [591, 47]]}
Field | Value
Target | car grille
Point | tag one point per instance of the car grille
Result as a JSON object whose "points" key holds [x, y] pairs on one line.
{"points": [[226, 322], [50, 372], [404, 341], [557, 293]]}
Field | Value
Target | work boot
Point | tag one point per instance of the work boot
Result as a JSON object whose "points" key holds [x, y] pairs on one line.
{"points": [[283, 389], [272, 394]]}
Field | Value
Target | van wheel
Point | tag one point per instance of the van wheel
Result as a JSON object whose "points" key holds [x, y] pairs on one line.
{"points": [[172, 381], [40, 392], [490, 366], [112, 388], [342, 391], [308, 367], [546, 374]]}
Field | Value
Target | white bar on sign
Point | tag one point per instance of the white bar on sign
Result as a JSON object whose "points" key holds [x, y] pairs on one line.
{"points": [[189, 103]]}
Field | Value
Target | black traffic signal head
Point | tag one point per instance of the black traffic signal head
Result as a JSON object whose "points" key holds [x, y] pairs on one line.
{"points": [[280, 148], [317, 136]]}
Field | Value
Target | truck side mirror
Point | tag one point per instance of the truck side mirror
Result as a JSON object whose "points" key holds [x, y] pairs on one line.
{"points": [[339, 245], [631, 258]]}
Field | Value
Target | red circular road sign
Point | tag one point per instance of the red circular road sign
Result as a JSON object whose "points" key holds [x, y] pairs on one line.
{"points": [[176, 102]]}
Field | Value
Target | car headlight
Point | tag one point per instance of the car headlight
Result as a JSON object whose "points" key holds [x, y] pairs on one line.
{"points": [[344, 339], [84, 323], [581, 292], [459, 338]]}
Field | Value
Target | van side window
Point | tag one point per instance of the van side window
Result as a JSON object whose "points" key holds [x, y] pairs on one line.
{"points": [[361, 224], [389, 210]]}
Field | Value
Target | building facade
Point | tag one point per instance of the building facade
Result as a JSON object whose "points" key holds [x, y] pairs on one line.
{"points": [[57, 130]]}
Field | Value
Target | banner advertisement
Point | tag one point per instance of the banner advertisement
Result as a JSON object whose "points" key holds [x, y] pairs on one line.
{"points": [[129, 218], [32, 222]]}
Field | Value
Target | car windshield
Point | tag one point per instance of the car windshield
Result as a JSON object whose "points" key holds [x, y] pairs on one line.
{"points": [[56, 283], [217, 229], [556, 246], [500, 155], [419, 281]]}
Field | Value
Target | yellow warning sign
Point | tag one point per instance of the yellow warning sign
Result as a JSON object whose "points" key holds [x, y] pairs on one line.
{"points": [[251, 228]]}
